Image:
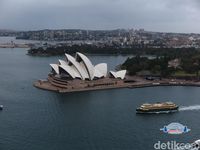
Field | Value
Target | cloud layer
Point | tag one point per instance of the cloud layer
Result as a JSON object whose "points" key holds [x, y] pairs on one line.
{"points": [[156, 15]]}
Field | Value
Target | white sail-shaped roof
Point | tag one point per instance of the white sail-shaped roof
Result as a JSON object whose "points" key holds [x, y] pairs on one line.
{"points": [[119, 74], [62, 62], [81, 67], [82, 72], [97, 73], [55, 68], [114, 74], [72, 68], [102, 68], [88, 65], [68, 69], [76, 73]]}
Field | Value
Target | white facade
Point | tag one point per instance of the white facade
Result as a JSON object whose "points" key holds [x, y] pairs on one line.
{"points": [[82, 68]]}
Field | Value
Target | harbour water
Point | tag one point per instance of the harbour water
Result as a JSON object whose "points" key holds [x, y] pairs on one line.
{"points": [[34, 119]]}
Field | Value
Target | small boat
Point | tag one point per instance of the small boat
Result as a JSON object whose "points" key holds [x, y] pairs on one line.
{"points": [[1, 107], [165, 107]]}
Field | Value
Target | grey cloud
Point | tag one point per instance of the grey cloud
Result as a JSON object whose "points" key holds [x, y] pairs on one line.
{"points": [[157, 15]]}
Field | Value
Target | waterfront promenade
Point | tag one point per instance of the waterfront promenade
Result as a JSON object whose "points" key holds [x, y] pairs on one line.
{"points": [[129, 82]]}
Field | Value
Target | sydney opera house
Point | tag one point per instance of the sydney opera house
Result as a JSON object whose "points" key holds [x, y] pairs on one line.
{"points": [[79, 73], [81, 67]]}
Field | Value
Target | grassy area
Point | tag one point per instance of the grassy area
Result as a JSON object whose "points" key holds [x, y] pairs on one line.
{"points": [[182, 73]]}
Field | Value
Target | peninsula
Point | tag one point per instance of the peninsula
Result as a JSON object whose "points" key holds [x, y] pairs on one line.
{"points": [[79, 74]]}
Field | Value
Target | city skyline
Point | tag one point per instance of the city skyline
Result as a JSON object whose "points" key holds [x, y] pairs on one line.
{"points": [[180, 16]]}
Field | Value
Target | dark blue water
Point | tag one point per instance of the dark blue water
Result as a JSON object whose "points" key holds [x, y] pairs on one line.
{"points": [[34, 119]]}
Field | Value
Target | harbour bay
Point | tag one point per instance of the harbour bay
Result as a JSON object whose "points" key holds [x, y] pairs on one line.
{"points": [[37, 119]]}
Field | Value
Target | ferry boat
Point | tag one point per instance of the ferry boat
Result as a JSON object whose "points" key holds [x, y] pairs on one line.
{"points": [[165, 107]]}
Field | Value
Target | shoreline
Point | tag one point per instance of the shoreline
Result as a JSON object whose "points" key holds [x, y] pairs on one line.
{"points": [[139, 83], [14, 46]]}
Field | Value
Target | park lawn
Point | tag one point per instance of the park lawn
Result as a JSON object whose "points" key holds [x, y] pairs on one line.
{"points": [[183, 73]]}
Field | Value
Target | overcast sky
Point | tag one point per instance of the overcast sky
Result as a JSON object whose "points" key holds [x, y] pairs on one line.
{"points": [[154, 15]]}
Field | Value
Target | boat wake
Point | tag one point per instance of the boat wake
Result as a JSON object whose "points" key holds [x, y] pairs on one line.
{"points": [[186, 108]]}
